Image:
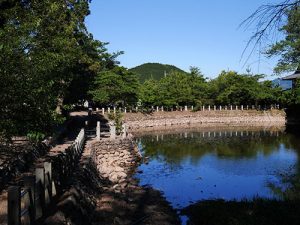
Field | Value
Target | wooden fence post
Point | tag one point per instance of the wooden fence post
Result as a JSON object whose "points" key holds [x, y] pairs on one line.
{"points": [[29, 183], [40, 192], [14, 205], [48, 182]]}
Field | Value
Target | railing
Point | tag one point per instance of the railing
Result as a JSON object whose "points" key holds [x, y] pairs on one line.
{"points": [[188, 108], [29, 202]]}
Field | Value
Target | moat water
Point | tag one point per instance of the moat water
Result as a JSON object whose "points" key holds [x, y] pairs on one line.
{"points": [[219, 163]]}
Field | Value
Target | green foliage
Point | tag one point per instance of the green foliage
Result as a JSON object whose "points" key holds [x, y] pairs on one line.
{"points": [[47, 58], [117, 86], [35, 137], [117, 118], [154, 71], [175, 89], [229, 88], [288, 49]]}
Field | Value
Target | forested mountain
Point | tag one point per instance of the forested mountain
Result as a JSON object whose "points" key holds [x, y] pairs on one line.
{"points": [[153, 70]]}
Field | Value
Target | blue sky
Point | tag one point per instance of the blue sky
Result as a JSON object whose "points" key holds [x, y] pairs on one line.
{"points": [[183, 33]]}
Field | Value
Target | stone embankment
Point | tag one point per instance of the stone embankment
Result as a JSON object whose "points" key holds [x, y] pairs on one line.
{"points": [[136, 121], [116, 160], [122, 201]]}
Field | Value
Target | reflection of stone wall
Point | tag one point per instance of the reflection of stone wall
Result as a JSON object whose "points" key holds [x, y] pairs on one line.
{"points": [[247, 117]]}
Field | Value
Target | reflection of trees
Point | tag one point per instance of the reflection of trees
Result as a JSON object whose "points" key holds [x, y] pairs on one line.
{"points": [[174, 148]]}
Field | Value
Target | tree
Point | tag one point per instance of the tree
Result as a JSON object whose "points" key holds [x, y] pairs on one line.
{"points": [[288, 49], [117, 86], [45, 48], [268, 20]]}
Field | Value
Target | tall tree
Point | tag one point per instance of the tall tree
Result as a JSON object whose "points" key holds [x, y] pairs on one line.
{"points": [[288, 49], [117, 86], [44, 48]]}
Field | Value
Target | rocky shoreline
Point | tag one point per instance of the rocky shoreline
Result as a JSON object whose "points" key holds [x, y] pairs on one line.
{"points": [[116, 160], [122, 201], [157, 120]]}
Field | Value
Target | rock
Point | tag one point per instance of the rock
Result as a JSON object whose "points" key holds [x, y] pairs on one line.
{"points": [[119, 169], [113, 178], [121, 175]]}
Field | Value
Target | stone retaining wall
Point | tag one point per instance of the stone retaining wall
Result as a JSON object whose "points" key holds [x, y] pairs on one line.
{"points": [[116, 160], [158, 119]]}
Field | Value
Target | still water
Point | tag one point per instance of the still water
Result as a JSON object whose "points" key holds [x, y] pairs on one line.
{"points": [[239, 163]]}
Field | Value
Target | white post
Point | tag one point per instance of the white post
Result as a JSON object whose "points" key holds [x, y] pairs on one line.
{"points": [[242, 107], [230, 107], [108, 110], [98, 130], [203, 108], [103, 111], [136, 109], [220, 107], [185, 108], [236, 107], [97, 109], [114, 110], [215, 108], [125, 110], [192, 108], [124, 130], [162, 108], [209, 108], [157, 109], [112, 131]]}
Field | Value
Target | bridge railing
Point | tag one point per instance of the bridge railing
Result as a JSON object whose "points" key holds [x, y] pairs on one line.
{"points": [[28, 202]]}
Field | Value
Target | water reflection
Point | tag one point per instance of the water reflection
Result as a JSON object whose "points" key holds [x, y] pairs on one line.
{"points": [[223, 163]]}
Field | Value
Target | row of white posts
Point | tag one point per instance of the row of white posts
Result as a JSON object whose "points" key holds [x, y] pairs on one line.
{"points": [[112, 130], [186, 108]]}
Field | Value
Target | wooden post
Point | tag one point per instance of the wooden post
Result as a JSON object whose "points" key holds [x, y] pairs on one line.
{"points": [[98, 131], [29, 183], [48, 182], [14, 205], [40, 192]]}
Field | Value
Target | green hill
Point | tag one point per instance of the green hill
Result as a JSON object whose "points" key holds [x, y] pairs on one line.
{"points": [[154, 70]]}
